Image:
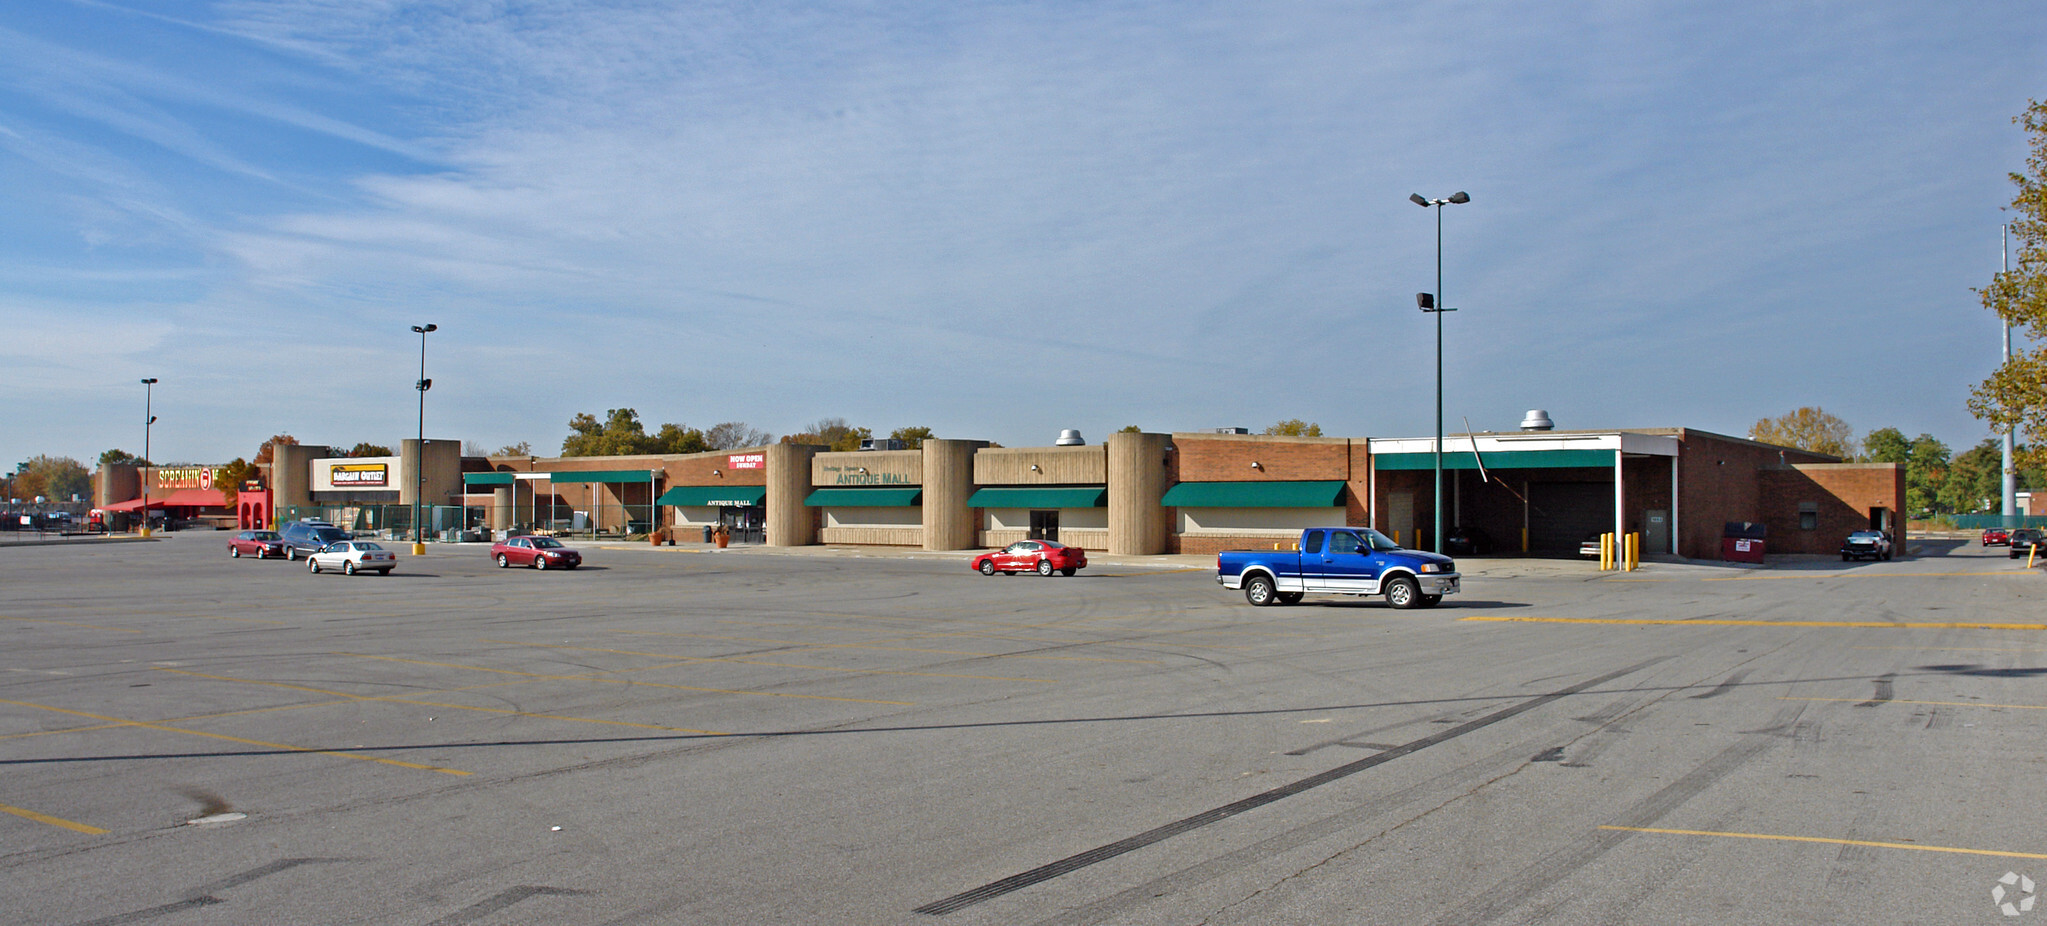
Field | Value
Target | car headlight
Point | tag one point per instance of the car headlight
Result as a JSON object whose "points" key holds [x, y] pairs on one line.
{"points": [[1432, 567]]}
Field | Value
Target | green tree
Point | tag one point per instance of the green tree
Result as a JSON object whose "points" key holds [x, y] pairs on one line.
{"points": [[1926, 470], [675, 438], [1807, 428], [913, 437], [1886, 445], [833, 433], [228, 479], [121, 458], [1975, 479], [54, 478], [367, 449], [620, 433], [520, 449], [1131, 429], [1295, 427], [2015, 395]]}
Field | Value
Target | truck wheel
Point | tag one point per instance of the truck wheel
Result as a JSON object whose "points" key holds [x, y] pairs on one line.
{"points": [[1259, 592], [987, 567], [1403, 593], [1291, 597]]}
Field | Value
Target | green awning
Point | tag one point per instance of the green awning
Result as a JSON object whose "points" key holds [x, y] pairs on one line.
{"points": [[602, 475], [1040, 497], [1498, 459], [864, 498], [1321, 494], [714, 496], [487, 479]]}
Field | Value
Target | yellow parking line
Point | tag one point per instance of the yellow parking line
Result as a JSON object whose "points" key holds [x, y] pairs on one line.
{"points": [[2022, 707], [31, 620], [452, 707], [777, 665], [1704, 622], [1825, 841], [236, 739], [53, 821], [537, 676]]}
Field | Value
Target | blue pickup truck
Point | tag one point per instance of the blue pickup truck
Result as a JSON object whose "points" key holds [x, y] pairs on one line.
{"points": [[1339, 561]]}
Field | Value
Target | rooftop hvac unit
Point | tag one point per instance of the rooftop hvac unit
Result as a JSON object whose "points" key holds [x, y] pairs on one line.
{"points": [[1069, 437], [881, 443], [1537, 420], [1232, 430]]}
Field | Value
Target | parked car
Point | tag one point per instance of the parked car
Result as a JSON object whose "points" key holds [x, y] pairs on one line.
{"points": [[306, 537], [259, 544], [353, 556], [537, 552], [1467, 541], [1996, 537], [1042, 556], [1589, 547], [2023, 541], [1866, 545]]}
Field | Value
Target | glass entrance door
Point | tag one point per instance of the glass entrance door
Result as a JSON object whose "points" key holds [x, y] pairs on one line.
{"points": [[1044, 525]]}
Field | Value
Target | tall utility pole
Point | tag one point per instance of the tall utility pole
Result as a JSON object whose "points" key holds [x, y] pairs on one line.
{"points": [[148, 400], [1435, 304], [419, 448], [2010, 486]]}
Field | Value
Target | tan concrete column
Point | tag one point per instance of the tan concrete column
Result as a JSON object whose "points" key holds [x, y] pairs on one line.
{"points": [[291, 475], [501, 508], [789, 523], [1137, 479], [948, 483]]}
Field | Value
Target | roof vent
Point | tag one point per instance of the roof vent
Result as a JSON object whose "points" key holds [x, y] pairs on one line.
{"points": [[1537, 420], [1069, 437]]}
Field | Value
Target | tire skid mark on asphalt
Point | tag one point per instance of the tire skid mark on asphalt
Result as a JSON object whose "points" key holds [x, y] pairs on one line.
{"points": [[1730, 622], [1503, 896], [1860, 701], [1159, 834], [31, 620]]}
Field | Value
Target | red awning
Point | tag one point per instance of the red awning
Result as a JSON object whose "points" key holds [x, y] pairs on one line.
{"points": [[193, 498], [133, 504]]}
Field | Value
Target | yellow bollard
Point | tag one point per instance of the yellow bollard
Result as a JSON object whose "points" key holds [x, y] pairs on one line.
{"points": [[1605, 552], [1631, 546], [1524, 540]]}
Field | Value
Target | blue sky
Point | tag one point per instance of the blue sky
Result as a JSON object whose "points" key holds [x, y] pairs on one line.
{"points": [[995, 220]]}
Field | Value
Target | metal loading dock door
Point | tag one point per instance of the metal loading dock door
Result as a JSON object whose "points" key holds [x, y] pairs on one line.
{"points": [[1562, 513]]}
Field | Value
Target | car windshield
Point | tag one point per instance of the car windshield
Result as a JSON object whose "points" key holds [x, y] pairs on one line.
{"points": [[547, 543], [1378, 540], [263, 535]]}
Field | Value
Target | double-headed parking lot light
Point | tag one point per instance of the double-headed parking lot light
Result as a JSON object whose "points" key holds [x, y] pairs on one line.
{"points": [[1434, 303], [148, 397], [419, 448]]}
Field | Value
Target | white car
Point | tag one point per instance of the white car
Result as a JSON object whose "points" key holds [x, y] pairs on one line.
{"points": [[353, 556]]}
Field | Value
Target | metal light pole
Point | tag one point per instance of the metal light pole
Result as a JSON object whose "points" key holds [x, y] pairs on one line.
{"points": [[2010, 486], [148, 404], [419, 448], [1435, 304]]}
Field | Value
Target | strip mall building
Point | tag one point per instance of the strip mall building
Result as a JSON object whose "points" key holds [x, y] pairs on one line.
{"points": [[1151, 493]]}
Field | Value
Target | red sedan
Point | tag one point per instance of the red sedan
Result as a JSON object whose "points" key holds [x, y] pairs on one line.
{"points": [[258, 544], [537, 552], [1042, 556], [1996, 537]]}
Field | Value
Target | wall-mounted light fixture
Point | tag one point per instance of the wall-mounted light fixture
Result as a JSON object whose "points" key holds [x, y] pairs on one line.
{"points": [[1254, 465], [1034, 468], [863, 471], [716, 473]]}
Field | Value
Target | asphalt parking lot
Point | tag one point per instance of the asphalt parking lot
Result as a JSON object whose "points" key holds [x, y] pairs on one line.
{"points": [[744, 737]]}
